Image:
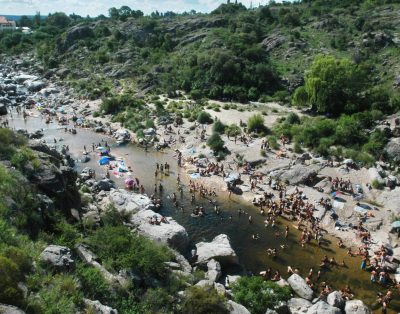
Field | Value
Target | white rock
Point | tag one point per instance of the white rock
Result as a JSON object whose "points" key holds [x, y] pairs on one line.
{"points": [[219, 249], [236, 308], [300, 286], [10, 309], [99, 308], [336, 299], [126, 202], [298, 305], [170, 233], [323, 307], [58, 256], [375, 176], [214, 270], [356, 307]]}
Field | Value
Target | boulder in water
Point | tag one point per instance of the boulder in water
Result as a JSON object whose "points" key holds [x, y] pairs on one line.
{"points": [[300, 286], [336, 299], [219, 249], [298, 305], [356, 307], [323, 307]]}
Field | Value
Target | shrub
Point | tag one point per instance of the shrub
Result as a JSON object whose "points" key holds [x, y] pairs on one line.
{"points": [[204, 118], [292, 118], [9, 278], [273, 142], [376, 184], [216, 143], [218, 127], [258, 295], [201, 301], [233, 130], [256, 123]]}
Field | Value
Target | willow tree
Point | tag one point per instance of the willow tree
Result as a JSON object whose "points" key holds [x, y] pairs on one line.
{"points": [[333, 86]]}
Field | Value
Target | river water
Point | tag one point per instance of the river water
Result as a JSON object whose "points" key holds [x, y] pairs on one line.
{"points": [[252, 253]]}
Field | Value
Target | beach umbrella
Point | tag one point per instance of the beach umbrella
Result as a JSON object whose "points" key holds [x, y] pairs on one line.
{"points": [[396, 224], [104, 161]]}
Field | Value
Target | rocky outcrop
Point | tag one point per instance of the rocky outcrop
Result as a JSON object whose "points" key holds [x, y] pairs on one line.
{"points": [[219, 249], [390, 200], [272, 42], [57, 256], [97, 308], [323, 307], [170, 233], [300, 286], [298, 305], [75, 33], [356, 307]]}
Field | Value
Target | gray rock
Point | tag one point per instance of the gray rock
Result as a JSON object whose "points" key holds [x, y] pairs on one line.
{"points": [[300, 286], [57, 256], [75, 33], [273, 41], [219, 249], [10, 309], [336, 299], [392, 149], [24, 77], [97, 308], [299, 174], [323, 307], [36, 86], [126, 202], [170, 233], [298, 305], [375, 175], [236, 308], [230, 280], [214, 270], [356, 307]]}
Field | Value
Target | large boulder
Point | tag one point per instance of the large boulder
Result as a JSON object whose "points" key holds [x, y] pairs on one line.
{"points": [[298, 305], [10, 309], [323, 307], [300, 286], [126, 202], [57, 256], [273, 41], [336, 299], [390, 200], [374, 175], [356, 307], [74, 34], [299, 174], [236, 308], [103, 185], [170, 233], [96, 307], [219, 249], [35, 86], [392, 149]]}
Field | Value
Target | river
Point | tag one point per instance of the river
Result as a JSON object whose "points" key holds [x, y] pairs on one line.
{"points": [[252, 253]]}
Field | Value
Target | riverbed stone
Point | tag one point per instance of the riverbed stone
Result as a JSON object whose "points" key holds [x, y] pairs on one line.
{"points": [[57, 256], [236, 308], [170, 233], [323, 307], [126, 202], [298, 305], [356, 307], [219, 249], [336, 299], [300, 286], [98, 308]]}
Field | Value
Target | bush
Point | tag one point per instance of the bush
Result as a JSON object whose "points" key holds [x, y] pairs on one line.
{"points": [[292, 118], [258, 295], [273, 142], [256, 123], [9, 277], [204, 118], [218, 127], [216, 143], [201, 301], [376, 184], [233, 130]]}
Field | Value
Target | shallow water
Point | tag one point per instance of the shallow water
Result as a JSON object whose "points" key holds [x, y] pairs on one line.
{"points": [[252, 253]]}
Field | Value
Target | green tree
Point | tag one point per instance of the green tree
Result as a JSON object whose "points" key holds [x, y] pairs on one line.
{"points": [[204, 118], [216, 143], [58, 19], [258, 295], [333, 86], [218, 127], [233, 130]]}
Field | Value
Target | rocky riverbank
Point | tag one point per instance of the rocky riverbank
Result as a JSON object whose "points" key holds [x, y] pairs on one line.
{"points": [[307, 172]]}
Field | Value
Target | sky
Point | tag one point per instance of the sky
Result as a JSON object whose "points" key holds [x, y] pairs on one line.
{"points": [[96, 7]]}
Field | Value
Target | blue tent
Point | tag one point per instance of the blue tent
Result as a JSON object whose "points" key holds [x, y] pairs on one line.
{"points": [[104, 160]]}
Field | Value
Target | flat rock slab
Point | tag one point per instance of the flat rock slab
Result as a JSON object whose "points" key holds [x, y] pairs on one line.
{"points": [[170, 233], [219, 249]]}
